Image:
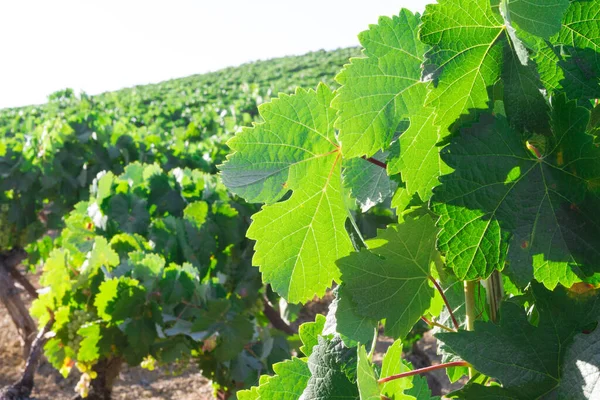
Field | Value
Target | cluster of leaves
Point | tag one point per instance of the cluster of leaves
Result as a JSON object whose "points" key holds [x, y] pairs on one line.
{"points": [[480, 120], [159, 265], [50, 154]]}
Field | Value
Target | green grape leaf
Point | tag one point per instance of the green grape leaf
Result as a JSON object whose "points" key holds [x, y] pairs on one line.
{"points": [[466, 39], [531, 359], [327, 365], [176, 285], [234, 330], [394, 364], [164, 196], [309, 333], [344, 320], [581, 371], [500, 194], [537, 17], [368, 387], [147, 269], [196, 212], [249, 394], [89, 348], [478, 391], [416, 155], [55, 352], [129, 212], [421, 391], [56, 273], [274, 156], [368, 183], [390, 280], [119, 299], [289, 382], [299, 239], [234, 334], [384, 88], [141, 334], [571, 61], [101, 255], [526, 108]]}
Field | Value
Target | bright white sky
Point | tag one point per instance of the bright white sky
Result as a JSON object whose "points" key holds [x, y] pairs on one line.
{"points": [[101, 45]]}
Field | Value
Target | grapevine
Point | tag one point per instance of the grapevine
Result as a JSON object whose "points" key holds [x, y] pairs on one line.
{"points": [[476, 122]]}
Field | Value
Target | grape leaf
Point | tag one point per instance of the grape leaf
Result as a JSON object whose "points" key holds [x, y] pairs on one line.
{"points": [[298, 239], [327, 365], [526, 108], [343, 319], [289, 382], [538, 17], [141, 334], [571, 61], [416, 154], [394, 364], [368, 387], [531, 359], [466, 39], [390, 280], [89, 348], [500, 195], [120, 298], [382, 89], [274, 156], [196, 212], [420, 390], [309, 333], [369, 184], [581, 371]]}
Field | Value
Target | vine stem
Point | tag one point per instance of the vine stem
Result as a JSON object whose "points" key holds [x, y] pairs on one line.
{"points": [[376, 162], [424, 370], [439, 288], [433, 323], [470, 311]]}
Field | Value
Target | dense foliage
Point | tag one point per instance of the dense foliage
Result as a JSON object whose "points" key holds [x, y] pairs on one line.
{"points": [[152, 264], [486, 113]]}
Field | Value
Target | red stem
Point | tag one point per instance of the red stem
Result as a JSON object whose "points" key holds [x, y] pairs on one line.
{"points": [[376, 162], [439, 288], [424, 370]]}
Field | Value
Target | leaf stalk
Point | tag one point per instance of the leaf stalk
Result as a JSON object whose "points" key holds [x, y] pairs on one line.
{"points": [[439, 288], [424, 370]]}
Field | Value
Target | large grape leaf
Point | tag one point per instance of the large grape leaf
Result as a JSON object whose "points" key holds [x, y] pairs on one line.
{"points": [[299, 239], [531, 362], [344, 320], [571, 59], [328, 366], [538, 17], [467, 41], [581, 372], [288, 383], [501, 194], [416, 154], [382, 89], [526, 107], [390, 280], [272, 157]]}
